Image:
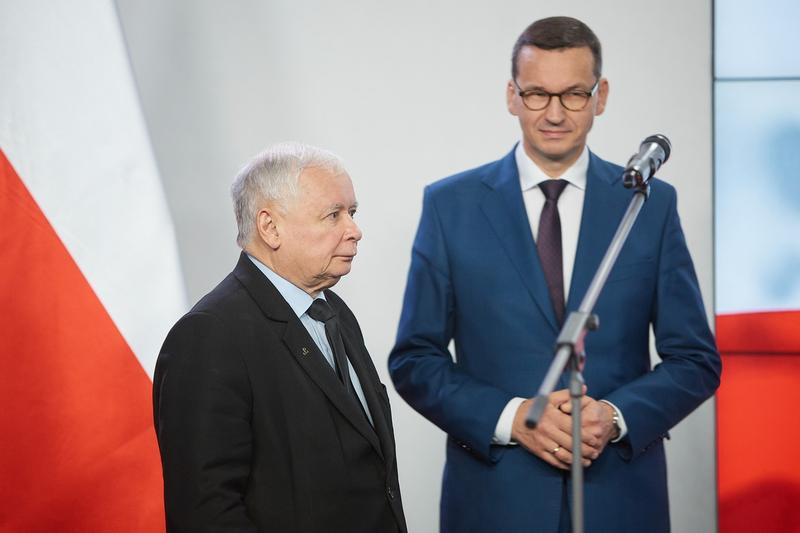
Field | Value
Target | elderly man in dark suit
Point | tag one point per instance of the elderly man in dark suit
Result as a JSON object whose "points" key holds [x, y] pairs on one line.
{"points": [[269, 412]]}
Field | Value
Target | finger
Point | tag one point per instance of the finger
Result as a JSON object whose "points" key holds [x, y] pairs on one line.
{"points": [[586, 400], [562, 395], [543, 438], [590, 439], [566, 405], [559, 396], [557, 425], [544, 449], [563, 424], [565, 392], [565, 456], [559, 428], [587, 452], [554, 423], [553, 458], [553, 461], [592, 413]]}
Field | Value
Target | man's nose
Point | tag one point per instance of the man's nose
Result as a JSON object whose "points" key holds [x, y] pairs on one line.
{"points": [[354, 232], [554, 112]]}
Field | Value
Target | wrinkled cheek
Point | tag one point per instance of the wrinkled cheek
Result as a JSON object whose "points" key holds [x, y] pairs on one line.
{"points": [[325, 266]]}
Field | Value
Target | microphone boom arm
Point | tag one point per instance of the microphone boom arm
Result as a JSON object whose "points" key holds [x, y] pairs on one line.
{"points": [[569, 349]]}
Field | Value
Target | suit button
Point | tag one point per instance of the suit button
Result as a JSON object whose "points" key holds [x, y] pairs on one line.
{"points": [[390, 492]]}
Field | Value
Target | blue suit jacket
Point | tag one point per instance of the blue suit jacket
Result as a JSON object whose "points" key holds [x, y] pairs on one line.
{"points": [[475, 277]]}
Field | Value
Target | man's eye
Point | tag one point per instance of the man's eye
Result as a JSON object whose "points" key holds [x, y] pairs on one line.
{"points": [[333, 215], [352, 213]]}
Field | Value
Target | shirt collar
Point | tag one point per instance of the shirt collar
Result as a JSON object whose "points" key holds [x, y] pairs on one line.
{"points": [[298, 299], [531, 176]]}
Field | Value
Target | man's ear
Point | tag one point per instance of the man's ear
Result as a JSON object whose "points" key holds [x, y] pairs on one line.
{"points": [[267, 227], [602, 97], [511, 103]]}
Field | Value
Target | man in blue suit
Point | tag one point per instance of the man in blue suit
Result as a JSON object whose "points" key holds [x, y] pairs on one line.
{"points": [[502, 254]]}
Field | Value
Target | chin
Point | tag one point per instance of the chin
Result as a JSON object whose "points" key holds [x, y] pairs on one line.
{"points": [[335, 271], [330, 282], [329, 279], [558, 153], [343, 266], [339, 273]]}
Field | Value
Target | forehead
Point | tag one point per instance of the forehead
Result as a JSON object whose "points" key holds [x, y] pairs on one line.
{"points": [[562, 67], [321, 186]]}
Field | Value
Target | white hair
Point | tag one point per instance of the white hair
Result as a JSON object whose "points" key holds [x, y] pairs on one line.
{"points": [[272, 176]]}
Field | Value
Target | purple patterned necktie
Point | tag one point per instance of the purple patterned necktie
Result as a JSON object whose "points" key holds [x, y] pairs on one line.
{"points": [[548, 243]]}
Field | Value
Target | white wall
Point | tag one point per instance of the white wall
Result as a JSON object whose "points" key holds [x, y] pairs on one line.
{"points": [[407, 93]]}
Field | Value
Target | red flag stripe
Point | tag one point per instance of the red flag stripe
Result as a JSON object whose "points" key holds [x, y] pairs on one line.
{"points": [[757, 463], [765, 332], [78, 452]]}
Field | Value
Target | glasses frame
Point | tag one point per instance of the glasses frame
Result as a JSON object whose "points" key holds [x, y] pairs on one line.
{"points": [[589, 94]]}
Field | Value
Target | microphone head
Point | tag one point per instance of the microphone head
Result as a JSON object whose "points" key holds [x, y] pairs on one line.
{"points": [[662, 141]]}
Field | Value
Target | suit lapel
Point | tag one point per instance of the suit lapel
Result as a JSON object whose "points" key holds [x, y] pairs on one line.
{"points": [[505, 211], [309, 357], [603, 208], [369, 382], [301, 347]]}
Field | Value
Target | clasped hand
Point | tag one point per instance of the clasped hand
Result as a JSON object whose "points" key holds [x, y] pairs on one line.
{"points": [[551, 439]]}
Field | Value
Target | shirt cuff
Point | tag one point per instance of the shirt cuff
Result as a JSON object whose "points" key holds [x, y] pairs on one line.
{"points": [[502, 431], [623, 428]]}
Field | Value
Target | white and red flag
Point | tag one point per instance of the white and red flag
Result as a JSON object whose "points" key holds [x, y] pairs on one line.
{"points": [[90, 280]]}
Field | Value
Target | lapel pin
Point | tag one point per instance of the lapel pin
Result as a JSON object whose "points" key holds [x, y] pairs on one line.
{"points": [[305, 351]]}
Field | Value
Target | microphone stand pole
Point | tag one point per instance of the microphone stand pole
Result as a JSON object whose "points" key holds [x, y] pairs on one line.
{"points": [[570, 351]]}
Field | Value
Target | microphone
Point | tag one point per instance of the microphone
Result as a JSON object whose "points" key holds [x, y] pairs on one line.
{"points": [[653, 152]]}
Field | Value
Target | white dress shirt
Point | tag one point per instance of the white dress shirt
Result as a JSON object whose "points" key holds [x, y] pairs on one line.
{"points": [[570, 209]]}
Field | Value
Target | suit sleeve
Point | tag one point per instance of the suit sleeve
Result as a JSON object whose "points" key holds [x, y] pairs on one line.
{"points": [[690, 367], [202, 406], [421, 365]]}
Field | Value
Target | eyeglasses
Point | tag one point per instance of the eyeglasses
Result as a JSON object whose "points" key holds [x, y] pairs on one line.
{"points": [[572, 100]]}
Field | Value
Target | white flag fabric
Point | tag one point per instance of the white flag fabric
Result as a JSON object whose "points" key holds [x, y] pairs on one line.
{"points": [[90, 280]]}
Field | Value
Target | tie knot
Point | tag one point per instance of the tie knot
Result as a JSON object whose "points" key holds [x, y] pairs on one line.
{"points": [[552, 189], [320, 310]]}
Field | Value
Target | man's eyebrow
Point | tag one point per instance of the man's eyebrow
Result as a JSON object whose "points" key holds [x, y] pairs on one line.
{"points": [[339, 205], [540, 88]]}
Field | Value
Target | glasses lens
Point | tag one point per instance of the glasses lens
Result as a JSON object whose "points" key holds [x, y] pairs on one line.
{"points": [[574, 101], [536, 100]]}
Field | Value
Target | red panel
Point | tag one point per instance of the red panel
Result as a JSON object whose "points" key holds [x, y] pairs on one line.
{"points": [[765, 332], [758, 435], [78, 451]]}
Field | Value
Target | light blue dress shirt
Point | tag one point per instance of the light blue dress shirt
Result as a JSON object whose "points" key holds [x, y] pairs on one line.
{"points": [[300, 301]]}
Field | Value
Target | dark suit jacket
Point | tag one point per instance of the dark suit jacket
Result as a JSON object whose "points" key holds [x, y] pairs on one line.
{"points": [[256, 432], [475, 277]]}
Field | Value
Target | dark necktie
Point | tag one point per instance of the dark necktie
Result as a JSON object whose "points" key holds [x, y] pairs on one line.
{"points": [[548, 243], [322, 312]]}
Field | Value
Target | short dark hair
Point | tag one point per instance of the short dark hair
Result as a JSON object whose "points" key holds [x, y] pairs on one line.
{"points": [[558, 32]]}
